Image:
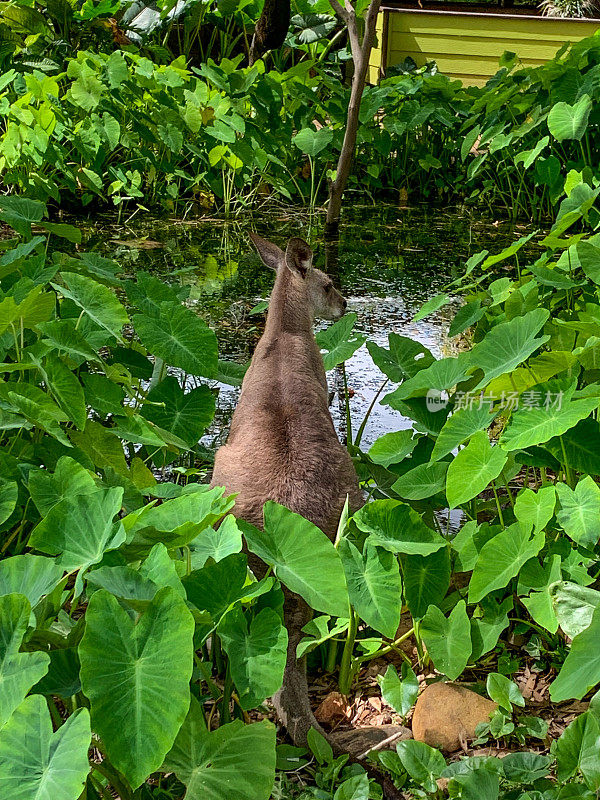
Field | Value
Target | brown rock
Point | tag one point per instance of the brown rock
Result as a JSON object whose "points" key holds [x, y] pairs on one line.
{"points": [[446, 715], [332, 709]]}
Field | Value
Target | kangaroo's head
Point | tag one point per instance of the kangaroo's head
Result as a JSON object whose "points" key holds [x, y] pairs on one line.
{"points": [[317, 288]]}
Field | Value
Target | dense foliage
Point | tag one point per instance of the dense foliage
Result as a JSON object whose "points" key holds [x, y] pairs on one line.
{"points": [[116, 126], [119, 592]]}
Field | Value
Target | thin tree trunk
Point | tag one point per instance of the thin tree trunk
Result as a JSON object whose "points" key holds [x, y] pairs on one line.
{"points": [[361, 52]]}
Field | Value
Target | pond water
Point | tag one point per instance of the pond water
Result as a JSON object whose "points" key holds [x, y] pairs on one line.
{"points": [[390, 261]]}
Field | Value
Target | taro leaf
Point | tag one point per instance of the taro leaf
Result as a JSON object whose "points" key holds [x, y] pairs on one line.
{"points": [[230, 373], [374, 585], [9, 493], [160, 568], [589, 258], [433, 304], [473, 469], [129, 670], [504, 692], [539, 603], [466, 316], [80, 529], [569, 121], [396, 527], [98, 301], [216, 544], [392, 448], [404, 358], [180, 338], [235, 760], [18, 671], [581, 445], [581, 669], [32, 576], [66, 389], [480, 783], [338, 341], [103, 449], [256, 652], [468, 543], [37, 764], [536, 508], [355, 788], [577, 751], [508, 344], [423, 763], [525, 767], [123, 582], [441, 375], [399, 692], [423, 481], [579, 515], [448, 639], [426, 580], [501, 559], [574, 606], [102, 394], [20, 212], [216, 586], [176, 522], [311, 142], [536, 425], [63, 335], [486, 630], [62, 677], [135, 429], [317, 631], [302, 556], [459, 427], [187, 415], [69, 479]]}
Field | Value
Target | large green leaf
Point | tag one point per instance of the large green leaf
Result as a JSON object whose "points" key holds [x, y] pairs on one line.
{"points": [[21, 212], [536, 425], [501, 558], [398, 528], [392, 448], [216, 586], [535, 508], [574, 606], [302, 556], [461, 426], [426, 580], [29, 575], [311, 142], [66, 389], [374, 585], [9, 493], [187, 415], [136, 677], [579, 515], [441, 375], [257, 653], [423, 481], [38, 764], [508, 344], [18, 671], [338, 342], [577, 751], [581, 669], [448, 639], [424, 764], [97, 300], [473, 469], [234, 761], [81, 529], [404, 358], [569, 121], [216, 544], [581, 445], [69, 479], [180, 338], [399, 692]]}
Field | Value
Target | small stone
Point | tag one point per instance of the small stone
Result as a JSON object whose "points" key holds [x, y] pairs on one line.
{"points": [[446, 715], [358, 741]]}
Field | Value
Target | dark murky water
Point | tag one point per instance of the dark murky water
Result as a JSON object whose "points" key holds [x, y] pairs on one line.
{"points": [[390, 261]]}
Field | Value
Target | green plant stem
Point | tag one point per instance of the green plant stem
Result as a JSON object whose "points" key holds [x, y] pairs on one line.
{"points": [[225, 715], [363, 424], [498, 506], [107, 770], [344, 680], [331, 659], [347, 404], [568, 473]]}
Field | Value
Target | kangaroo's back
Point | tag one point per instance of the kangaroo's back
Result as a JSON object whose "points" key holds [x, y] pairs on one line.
{"points": [[282, 444]]}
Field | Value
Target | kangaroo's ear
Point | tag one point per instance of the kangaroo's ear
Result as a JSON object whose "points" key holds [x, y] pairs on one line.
{"points": [[271, 255], [298, 256]]}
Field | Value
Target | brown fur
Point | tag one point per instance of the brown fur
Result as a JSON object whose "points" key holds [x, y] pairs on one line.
{"points": [[282, 444]]}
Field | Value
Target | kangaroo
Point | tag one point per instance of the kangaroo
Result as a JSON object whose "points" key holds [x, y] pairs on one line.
{"points": [[282, 444]]}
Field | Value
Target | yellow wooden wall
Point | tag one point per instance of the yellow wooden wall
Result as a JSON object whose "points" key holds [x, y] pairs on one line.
{"points": [[468, 46]]}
